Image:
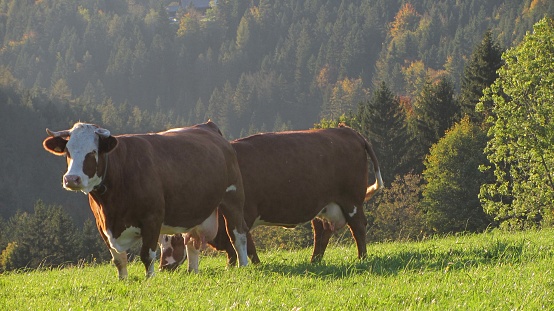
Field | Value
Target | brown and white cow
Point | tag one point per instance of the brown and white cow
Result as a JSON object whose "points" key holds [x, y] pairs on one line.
{"points": [[293, 177], [144, 185]]}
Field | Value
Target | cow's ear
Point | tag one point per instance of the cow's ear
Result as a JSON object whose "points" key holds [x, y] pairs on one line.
{"points": [[55, 145], [107, 144]]}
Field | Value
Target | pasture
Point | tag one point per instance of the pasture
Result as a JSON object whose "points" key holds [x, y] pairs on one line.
{"points": [[489, 271]]}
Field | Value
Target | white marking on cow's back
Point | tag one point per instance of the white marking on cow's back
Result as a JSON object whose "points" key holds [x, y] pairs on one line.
{"points": [[128, 237], [231, 188]]}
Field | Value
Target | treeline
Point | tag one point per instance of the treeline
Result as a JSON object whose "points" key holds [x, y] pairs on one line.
{"points": [[250, 65], [403, 74]]}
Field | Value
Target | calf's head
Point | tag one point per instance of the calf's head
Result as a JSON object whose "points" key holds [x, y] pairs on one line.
{"points": [[83, 146], [172, 251]]}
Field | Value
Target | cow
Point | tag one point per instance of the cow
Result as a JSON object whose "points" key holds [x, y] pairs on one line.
{"points": [[298, 176], [145, 185]]}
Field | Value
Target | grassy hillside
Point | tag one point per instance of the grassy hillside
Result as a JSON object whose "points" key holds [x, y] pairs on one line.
{"points": [[491, 271]]}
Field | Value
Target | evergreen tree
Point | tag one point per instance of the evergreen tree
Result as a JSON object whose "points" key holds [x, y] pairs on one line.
{"points": [[91, 246], [382, 121], [479, 73], [45, 238], [433, 114]]}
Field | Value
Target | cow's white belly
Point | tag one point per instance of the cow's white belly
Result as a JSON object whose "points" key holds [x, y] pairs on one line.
{"points": [[205, 231]]}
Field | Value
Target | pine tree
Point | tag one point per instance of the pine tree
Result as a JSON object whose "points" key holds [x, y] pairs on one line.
{"points": [[433, 113], [479, 73], [382, 121]]}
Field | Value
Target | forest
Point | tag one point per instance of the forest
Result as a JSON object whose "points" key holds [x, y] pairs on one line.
{"points": [[455, 97]]}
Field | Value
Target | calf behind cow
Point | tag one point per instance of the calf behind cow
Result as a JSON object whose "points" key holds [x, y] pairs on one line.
{"points": [[293, 177], [144, 185]]}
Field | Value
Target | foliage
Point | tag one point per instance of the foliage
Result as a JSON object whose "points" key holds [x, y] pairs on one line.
{"points": [[46, 238], [471, 272], [300, 55], [479, 73], [450, 198], [250, 66], [382, 120], [395, 214], [522, 133], [434, 112]]}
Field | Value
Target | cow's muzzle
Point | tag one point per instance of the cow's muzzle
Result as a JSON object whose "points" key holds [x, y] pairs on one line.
{"points": [[72, 182]]}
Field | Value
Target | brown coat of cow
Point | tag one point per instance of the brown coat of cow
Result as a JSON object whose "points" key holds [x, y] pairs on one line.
{"points": [[144, 185], [293, 177]]}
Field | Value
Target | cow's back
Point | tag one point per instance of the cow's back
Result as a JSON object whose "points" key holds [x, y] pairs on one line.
{"points": [[290, 176], [173, 169]]}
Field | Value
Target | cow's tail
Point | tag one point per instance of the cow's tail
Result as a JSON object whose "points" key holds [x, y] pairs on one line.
{"points": [[378, 185]]}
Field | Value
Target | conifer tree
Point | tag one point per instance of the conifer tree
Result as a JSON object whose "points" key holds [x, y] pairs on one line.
{"points": [[479, 73], [382, 121], [433, 114]]}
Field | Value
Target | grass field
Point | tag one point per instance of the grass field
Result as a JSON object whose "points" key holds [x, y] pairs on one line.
{"points": [[490, 271]]}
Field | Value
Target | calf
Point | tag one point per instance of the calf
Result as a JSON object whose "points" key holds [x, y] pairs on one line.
{"points": [[144, 185], [293, 177]]}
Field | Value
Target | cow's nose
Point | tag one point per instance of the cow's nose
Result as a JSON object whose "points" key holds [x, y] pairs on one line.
{"points": [[72, 181]]}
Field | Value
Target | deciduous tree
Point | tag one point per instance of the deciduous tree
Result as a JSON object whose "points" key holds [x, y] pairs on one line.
{"points": [[521, 145]]}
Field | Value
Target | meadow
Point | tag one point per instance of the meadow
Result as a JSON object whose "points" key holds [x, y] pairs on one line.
{"points": [[489, 271]]}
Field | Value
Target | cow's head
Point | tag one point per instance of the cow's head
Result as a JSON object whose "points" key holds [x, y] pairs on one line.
{"points": [[84, 146], [172, 251]]}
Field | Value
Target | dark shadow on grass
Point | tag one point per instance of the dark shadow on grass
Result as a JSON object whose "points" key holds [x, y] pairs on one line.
{"points": [[429, 259]]}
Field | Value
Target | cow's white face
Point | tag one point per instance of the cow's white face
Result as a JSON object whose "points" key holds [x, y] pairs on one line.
{"points": [[82, 159], [82, 151]]}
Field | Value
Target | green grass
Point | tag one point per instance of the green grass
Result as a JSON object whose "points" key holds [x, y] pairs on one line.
{"points": [[491, 271]]}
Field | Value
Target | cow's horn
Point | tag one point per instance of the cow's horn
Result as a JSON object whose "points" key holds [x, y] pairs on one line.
{"points": [[57, 134]]}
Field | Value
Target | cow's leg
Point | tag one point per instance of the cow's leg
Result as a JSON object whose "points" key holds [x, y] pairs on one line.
{"points": [[230, 250], [193, 256], [252, 249], [232, 209], [357, 221], [120, 262], [148, 251], [321, 239]]}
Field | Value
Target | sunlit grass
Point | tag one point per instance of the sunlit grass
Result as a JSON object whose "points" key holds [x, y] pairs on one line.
{"points": [[491, 271]]}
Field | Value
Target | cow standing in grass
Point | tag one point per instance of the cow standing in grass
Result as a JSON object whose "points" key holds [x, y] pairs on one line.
{"points": [[144, 185], [293, 177]]}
